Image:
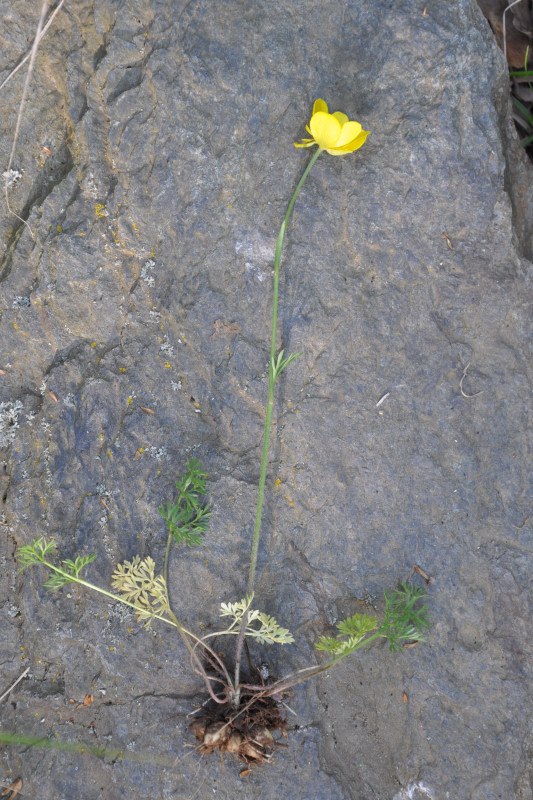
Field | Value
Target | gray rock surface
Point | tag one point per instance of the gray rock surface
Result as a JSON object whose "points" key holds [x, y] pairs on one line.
{"points": [[171, 129]]}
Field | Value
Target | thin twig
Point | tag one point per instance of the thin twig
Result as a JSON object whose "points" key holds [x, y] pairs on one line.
{"points": [[382, 399], [38, 36], [14, 684], [504, 28], [27, 56], [461, 384]]}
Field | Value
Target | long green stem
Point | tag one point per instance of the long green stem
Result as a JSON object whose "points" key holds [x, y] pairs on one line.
{"points": [[273, 373], [272, 376]]}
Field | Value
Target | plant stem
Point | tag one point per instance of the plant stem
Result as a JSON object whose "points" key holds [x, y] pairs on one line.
{"points": [[184, 633], [115, 597], [309, 672], [271, 377], [268, 420]]}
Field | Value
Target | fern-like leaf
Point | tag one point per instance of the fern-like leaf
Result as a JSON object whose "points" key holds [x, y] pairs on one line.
{"points": [[352, 631], [35, 553], [186, 519], [137, 583], [268, 632]]}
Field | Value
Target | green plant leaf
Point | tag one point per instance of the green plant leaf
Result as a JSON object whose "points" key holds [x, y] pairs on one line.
{"points": [[405, 619], [357, 625], [187, 519], [279, 364], [137, 583], [352, 631], [35, 553], [335, 647], [268, 632]]}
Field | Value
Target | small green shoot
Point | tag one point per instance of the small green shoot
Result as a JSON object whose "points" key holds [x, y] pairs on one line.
{"points": [[277, 365]]}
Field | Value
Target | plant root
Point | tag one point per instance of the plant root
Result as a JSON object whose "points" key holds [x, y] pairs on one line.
{"points": [[244, 732]]}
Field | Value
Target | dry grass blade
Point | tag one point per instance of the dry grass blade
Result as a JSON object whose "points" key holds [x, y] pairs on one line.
{"points": [[41, 30], [20, 677]]}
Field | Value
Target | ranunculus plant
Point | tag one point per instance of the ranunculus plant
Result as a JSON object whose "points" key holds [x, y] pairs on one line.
{"points": [[243, 710]]}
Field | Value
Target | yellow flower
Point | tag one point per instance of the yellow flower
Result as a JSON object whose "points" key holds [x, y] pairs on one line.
{"points": [[334, 133]]}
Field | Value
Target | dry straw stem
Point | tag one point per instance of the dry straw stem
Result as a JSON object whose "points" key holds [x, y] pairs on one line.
{"points": [[20, 677], [468, 396], [505, 27], [41, 30]]}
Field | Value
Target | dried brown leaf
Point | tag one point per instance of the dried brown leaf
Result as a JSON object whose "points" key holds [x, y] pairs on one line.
{"points": [[13, 790]]}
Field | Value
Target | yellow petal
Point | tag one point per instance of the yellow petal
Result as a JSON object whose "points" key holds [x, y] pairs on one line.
{"points": [[355, 144], [342, 118], [325, 129], [348, 133], [305, 143], [320, 105]]}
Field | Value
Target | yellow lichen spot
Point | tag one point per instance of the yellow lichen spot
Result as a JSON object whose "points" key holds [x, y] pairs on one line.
{"points": [[110, 454], [134, 226], [15, 326], [81, 234], [93, 344], [130, 400], [100, 210], [59, 229], [141, 450], [122, 369], [111, 648], [167, 365], [277, 483]]}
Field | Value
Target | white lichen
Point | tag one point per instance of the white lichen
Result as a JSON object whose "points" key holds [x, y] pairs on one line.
{"points": [[9, 414], [12, 177]]}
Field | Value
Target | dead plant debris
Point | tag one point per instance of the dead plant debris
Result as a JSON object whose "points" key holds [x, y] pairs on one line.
{"points": [[12, 791], [245, 732]]}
